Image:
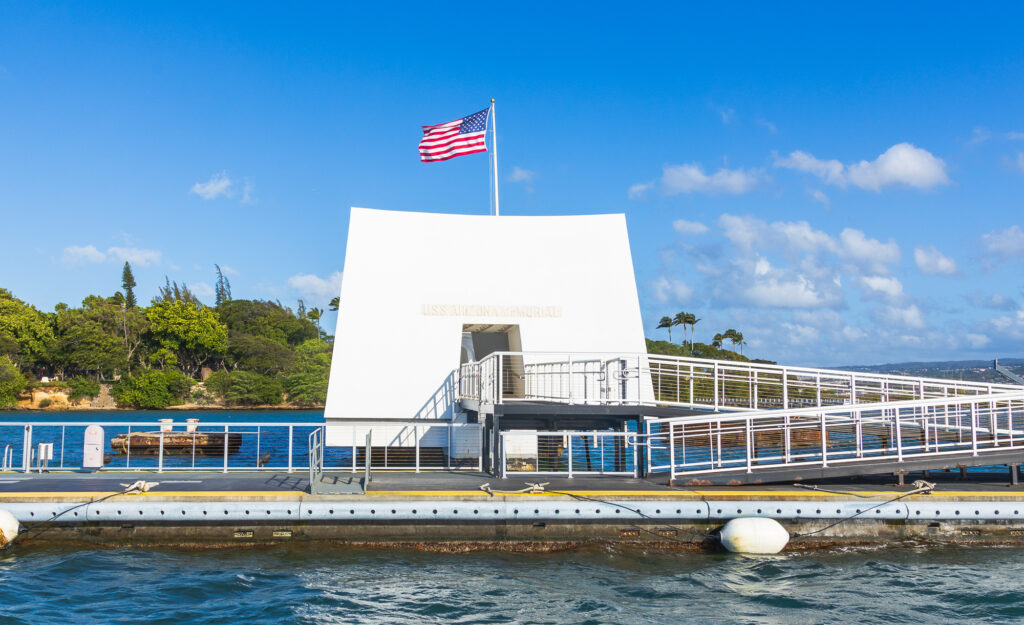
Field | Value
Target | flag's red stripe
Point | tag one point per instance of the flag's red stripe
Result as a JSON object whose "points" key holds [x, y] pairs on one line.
{"points": [[451, 141], [450, 156], [458, 146]]}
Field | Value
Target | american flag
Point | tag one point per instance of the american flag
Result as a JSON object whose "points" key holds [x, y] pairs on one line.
{"points": [[462, 136]]}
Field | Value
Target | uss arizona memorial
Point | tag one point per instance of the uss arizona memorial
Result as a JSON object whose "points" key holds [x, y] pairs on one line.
{"points": [[528, 354]]}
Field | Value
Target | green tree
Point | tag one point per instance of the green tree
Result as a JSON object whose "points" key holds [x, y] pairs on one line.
{"points": [[246, 388], [666, 322], [266, 319], [717, 340], [252, 352], [12, 382], [171, 292], [314, 315], [731, 336], [83, 387], [680, 320], [223, 288], [128, 284], [335, 303], [152, 389], [306, 382], [25, 333], [88, 339], [193, 334], [692, 320]]}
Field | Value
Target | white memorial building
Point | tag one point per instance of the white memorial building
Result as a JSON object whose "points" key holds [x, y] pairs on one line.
{"points": [[424, 294]]}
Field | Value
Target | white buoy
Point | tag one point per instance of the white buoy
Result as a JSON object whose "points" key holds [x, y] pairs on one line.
{"points": [[8, 527], [758, 535]]}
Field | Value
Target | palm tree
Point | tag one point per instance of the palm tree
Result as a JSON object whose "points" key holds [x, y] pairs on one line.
{"points": [[692, 321], [314, 315], [335, 303], [738, 339], [716, 341], [666, 322], [731, 335], [680, 320]]}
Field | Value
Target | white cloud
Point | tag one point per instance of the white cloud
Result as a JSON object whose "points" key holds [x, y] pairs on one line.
{"points": [[670, 290], [901, 165], [1020, 160], [852, 334], [1015, 136], [201, 289], [683, 226], [977, 340], [639, 190], [1006, 243], [315, 287], [932, 262], [775, 293], [727, 115], [135, 256], [801, 334], [228, 271], [767, 124], [216, 186], [247, 194], [887, 286], [748, 233], [860, 249], [819, 196], [691, 178], [521, 175], [909, 316], [78, 254], [979, 135]]}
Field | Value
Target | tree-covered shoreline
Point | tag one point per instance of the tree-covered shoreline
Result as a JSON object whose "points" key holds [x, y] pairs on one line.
{"points": [[175, 351]]}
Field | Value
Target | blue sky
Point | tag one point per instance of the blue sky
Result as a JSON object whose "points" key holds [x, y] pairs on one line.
{"points": [[842, 184]]}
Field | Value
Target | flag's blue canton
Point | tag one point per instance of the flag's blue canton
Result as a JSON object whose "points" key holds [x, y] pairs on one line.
{"points": [[475, 122]]}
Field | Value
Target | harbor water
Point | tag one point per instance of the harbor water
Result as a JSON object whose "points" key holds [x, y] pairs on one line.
{"points": [[304, 584]]}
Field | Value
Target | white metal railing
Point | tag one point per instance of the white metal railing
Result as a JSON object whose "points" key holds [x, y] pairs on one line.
{"points": [[719, 385], [764, 440], [568, 453], [219, 446]]}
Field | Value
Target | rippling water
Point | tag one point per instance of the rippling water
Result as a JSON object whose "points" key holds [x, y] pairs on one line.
{"points": [[596, 585]]}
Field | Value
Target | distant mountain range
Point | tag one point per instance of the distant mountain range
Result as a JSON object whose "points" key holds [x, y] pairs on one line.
{"points": [[978, 370]]}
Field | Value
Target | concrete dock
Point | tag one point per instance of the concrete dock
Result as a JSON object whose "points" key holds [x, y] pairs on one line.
{"points": [[450, 511]]}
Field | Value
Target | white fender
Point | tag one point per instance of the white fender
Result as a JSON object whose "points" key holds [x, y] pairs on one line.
{"points": [[759, 535], [8, 527]]}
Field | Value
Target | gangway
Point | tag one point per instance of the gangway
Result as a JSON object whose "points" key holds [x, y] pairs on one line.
{"points": [[618, 379], [831, 441]]}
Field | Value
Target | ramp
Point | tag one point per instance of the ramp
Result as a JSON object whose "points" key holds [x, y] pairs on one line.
{"points": [[765, 446]]}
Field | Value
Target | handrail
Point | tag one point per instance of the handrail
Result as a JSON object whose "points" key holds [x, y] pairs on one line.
{"points": [[722, 385]]}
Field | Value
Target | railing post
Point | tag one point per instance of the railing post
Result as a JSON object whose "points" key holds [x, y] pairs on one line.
{"points": [[859, 421], [818, 387], [500, 391], [290, 443], [715, 375], [160, 453], [785, 389], [227, 437], [899, 435], [753, 403], [26, 450], [569, 449], [692, 382], [416, 435], [853, 388], [570, 380], [750, 446], [500, 454], [824, 440], [671, 452], [974, 429]]}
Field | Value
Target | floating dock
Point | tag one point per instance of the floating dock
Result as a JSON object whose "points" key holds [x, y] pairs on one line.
{"points": [[445, 511]]}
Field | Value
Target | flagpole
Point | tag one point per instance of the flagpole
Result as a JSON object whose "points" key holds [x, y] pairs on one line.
{"points": [[494, 148]]}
